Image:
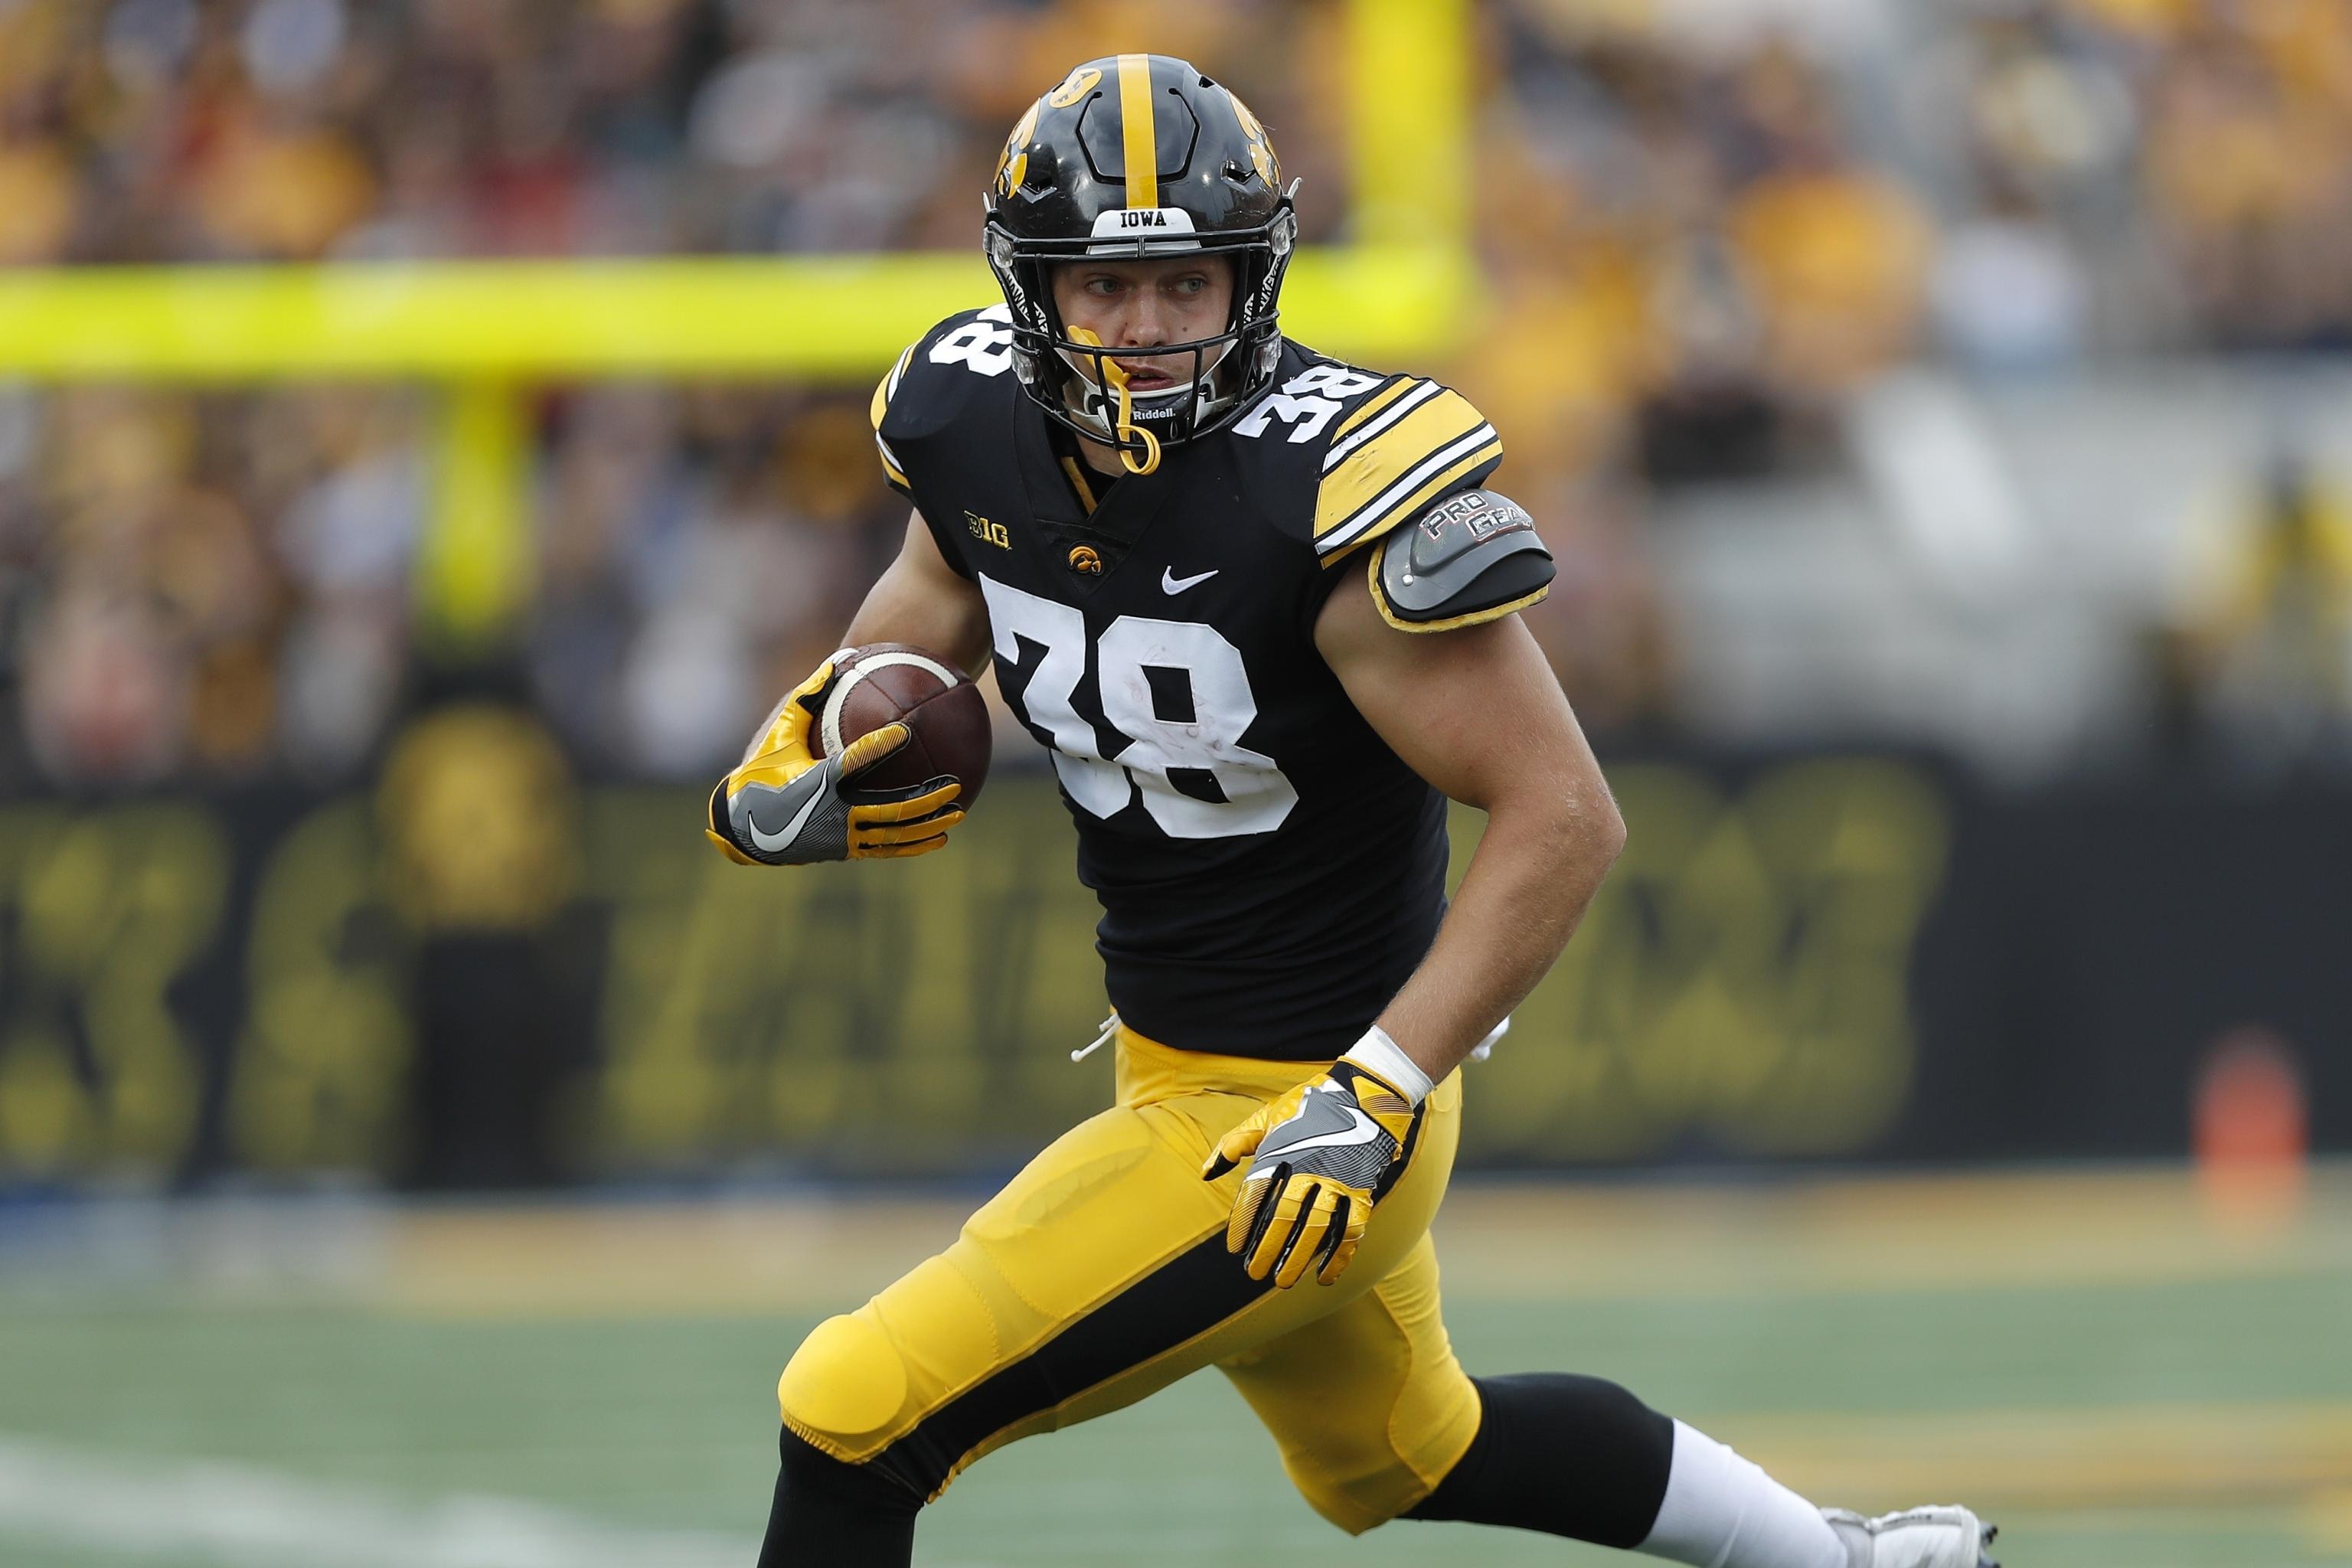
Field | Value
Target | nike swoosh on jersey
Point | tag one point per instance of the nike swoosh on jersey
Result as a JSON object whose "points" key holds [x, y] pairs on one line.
{"points": [[792, 829], [1171, 584]]}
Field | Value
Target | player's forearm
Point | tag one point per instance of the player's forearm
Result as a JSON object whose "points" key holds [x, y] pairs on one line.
{"points": [[910, 605], [1528, 885]]}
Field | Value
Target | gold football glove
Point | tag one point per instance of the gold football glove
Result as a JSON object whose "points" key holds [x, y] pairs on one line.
{"points": [[1325, 1153], [785, 806]]}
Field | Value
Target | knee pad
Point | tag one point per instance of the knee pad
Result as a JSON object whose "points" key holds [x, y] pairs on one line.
{"points": [[842, 1387]]}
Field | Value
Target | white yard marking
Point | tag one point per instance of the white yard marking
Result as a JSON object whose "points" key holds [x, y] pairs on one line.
{"points": [[185, 1511]]}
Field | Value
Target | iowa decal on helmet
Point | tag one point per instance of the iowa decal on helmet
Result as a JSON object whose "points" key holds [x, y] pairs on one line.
{"points": [[1140, 156]]}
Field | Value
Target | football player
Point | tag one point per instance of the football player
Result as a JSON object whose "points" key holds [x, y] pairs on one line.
{"points": [[1258, 608]]}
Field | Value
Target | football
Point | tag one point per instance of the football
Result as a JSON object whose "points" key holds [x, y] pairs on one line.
{"points": [[881, 682]]}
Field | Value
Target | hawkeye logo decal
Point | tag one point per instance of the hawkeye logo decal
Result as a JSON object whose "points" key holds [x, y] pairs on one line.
{"points": [[1075, 85]]}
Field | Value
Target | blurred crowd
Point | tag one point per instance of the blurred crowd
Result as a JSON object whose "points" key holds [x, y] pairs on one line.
{"points": [[1699, 244]]}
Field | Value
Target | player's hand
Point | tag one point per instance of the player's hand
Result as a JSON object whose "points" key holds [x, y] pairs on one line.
{"points": [[1323, 1152], [783, 805]]}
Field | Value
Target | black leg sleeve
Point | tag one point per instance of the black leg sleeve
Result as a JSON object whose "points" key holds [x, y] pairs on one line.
{"points": [[831, 1515], [1565, 1455]]}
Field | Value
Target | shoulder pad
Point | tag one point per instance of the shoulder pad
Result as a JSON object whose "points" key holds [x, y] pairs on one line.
{"points": [[1472, 557], [1277, 440], [1337, 456], [884, 391], [963, 359], [1393, 453]]}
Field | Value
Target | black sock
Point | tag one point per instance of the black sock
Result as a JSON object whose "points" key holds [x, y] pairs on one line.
{"points": [[832, 1515], [1565, 1455]]}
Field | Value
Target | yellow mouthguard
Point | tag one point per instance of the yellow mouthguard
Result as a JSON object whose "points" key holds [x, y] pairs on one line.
{"points": [[1125, 428]]}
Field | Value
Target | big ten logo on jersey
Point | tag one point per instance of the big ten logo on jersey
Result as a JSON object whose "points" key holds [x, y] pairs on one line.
{"points": [[1309, 401], [983, 344], [987, 533], [1178, 692]]}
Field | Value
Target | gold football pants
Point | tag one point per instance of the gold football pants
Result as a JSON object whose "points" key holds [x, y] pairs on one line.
{"points": [[1101, 1276]]}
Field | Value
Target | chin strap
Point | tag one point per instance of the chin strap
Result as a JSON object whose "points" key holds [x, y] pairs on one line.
{"points": [[1129, 433]]}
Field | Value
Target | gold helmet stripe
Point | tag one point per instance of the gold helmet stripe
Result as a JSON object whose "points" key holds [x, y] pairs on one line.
{"points": [[1135, 120]]}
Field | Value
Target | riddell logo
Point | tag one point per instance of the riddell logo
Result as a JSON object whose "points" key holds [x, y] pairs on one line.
{"points": [[1142, 217]]}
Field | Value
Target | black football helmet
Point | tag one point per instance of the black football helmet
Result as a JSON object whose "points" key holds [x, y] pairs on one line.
{"points": [[1139, 155]]}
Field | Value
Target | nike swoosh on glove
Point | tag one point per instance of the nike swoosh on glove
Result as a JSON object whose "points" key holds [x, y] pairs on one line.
{"points": [[1324, 1153], [783, 805]]}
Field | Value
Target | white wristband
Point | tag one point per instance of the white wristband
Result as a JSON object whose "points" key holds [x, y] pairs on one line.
{"points": [[1376, 1053]]}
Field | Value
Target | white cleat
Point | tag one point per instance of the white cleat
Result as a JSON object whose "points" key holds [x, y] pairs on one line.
{"points": [[1937, 1537]]}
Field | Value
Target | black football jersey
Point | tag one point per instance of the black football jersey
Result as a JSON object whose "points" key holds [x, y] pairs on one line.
{"points": [[1269, 871]]}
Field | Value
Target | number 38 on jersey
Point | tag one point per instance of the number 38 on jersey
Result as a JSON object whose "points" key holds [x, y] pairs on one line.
{"points": [[1178, 693], [1157, 631]]}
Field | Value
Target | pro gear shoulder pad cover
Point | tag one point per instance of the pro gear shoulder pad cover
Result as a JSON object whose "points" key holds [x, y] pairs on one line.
{"points": [[1470, 557]]}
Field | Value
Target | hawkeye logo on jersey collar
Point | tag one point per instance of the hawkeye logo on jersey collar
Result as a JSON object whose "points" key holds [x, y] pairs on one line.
{"points": [[990, 533]]}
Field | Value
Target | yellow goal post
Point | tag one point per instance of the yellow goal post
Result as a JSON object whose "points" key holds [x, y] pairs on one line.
{"points": [[484, 331]]}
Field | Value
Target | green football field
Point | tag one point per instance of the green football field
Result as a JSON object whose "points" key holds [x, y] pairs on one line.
{"points": [[2123, 1375]]}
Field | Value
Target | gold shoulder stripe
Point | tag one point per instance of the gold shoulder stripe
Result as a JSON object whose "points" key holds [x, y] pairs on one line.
{"points": [[1135, 111], [1362, 469], [897, 476], [887, 388], [1481, 448], [1373, 429], [1379, 401], [1475, 617]]}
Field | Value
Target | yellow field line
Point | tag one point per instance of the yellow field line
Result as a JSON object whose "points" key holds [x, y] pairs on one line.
{"points": [[2044, 1228], [662, 1259], [1554, 1242], [2328, 1519], [2170, 1454]]}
